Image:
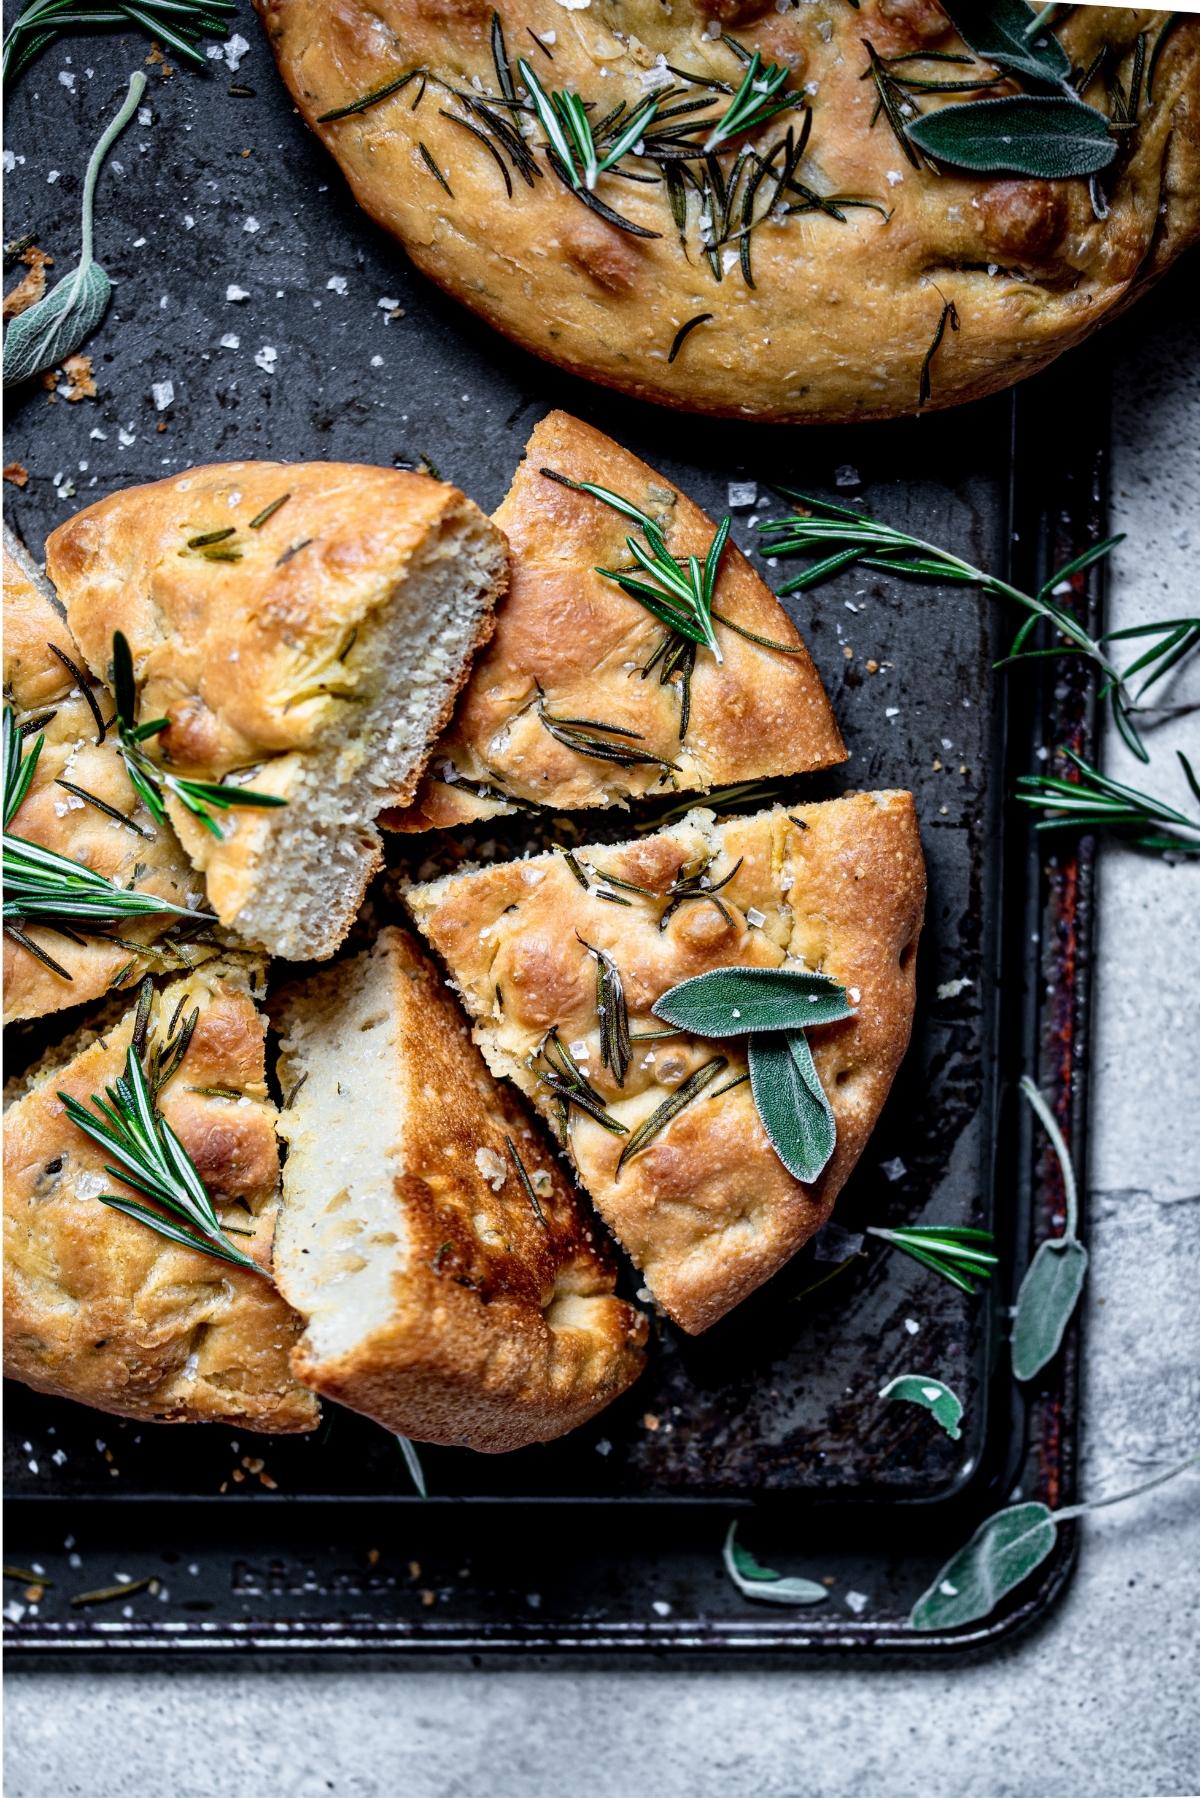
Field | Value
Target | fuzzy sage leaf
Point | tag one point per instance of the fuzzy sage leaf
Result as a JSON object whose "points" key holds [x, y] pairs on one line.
{"points": [[1049, 137], [1054, 1279], [791, 1103], [763, 1584], [1003, 1552], [742, 1001], [64, 318], [936, 1397], [999, 30]]}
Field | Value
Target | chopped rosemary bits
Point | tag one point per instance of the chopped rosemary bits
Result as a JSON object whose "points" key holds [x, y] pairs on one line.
{"points": [[365, 100], [571, 1086], [579, 734], [260, 518], [685, 331], [672, 1105], [85, 688], [754, 103], [563, 116], [692, 883]]}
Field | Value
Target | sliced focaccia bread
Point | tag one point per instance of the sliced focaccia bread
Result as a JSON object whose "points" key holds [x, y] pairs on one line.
{"points": [[556, 974], [79, 805], [584, 698], [98, 1306], [303, 630], [451, 1288]]}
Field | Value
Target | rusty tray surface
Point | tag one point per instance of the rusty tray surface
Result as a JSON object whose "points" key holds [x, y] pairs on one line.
{"points": [[608, 1542]]}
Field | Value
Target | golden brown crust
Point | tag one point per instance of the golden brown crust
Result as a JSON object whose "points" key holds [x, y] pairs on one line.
{"points": [[759, 712], [707, 1210], [501, 1327], [275, 649], [100, 1308], [842, 314], [148, 856]]}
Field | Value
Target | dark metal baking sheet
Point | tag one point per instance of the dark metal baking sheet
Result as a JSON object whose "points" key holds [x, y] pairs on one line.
{"points": [[610, 1540]]}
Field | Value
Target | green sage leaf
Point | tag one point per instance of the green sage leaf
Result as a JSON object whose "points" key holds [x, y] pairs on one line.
{"points": [[998, 31], [52, 330], [740, 1001], [1048, 1296], [791, 1103], [1003, 1551], [1046, 136], [763, 1584], [934, 1395]]}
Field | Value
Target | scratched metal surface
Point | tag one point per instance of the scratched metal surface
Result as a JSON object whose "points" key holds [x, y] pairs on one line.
{"points": [[781, 1398]]}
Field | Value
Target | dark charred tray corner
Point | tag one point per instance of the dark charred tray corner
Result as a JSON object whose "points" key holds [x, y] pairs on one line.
{"points": [[609, 1543]]}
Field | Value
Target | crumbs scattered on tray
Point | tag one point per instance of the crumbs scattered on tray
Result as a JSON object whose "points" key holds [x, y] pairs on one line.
{"points": [[255, 1467]]}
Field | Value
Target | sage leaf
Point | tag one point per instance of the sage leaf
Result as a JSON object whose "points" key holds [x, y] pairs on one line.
{"points": [[740, 1001], [1048, 1296], [934, 1395], [65, 317], [52, 330], [1046, 136], [1004, 1550], [763, 1584], [791, 1103], [998, 30]]}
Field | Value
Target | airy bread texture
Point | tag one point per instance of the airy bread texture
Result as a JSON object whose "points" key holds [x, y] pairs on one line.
{"points": [[439, 1297], [843, 311], [707, 1210], [142, 854], [100, 1308], [312, 648], [591, 649]]}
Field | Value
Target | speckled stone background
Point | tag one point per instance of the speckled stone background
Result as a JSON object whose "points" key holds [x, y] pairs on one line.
{"points": [[1101, 1701]]}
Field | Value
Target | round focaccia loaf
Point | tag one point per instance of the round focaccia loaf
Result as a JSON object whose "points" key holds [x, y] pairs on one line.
{"points": [[303, 628], [44, 970], [451, 1285], [834, 311], [99, 1307]]}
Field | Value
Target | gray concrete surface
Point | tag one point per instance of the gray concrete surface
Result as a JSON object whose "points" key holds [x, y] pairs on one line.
{"points": [[1101, 1703]]}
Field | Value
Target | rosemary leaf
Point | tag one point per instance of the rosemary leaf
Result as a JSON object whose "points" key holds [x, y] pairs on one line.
{"points": [[672, 1105]]}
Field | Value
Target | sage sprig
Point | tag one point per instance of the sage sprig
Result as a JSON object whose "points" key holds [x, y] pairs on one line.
{"points": [[1002, 1554], [762, 1584], [65, 317], [841, 538], [149, 779], [153, 1162], [772, 1008], [935, 1396], [1054, 1278]]}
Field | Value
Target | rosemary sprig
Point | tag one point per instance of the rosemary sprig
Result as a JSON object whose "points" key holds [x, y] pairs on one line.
{"points": [[570, 1086], [526, 1182], [672, 1105], [563, 116], [579, 734], [149, 779], [841, 538], [178, 24], [754, 103], [615, 1044], [692, 883], [152, 1160], [1092, 801], [951, 1250]]}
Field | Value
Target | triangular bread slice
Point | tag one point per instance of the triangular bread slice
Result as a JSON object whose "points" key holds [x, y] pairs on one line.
{"points": [[563, 627], [443, 1295], [98, 1306], [706, 1210], [40, 687], [305, 628]]}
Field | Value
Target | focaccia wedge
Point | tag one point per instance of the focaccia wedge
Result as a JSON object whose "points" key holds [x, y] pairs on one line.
{"points": [[451, 1287], [101, 1308], [573, 650], [706, 1208], [45, 969], [304, 629]]}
